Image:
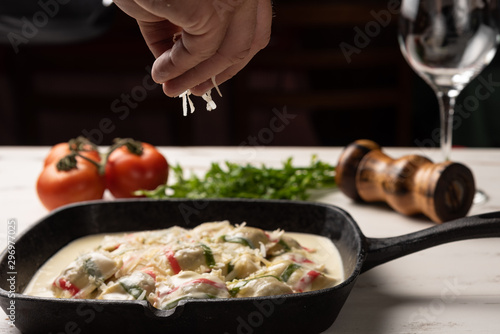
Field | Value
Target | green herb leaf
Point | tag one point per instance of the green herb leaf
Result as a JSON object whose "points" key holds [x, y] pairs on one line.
{"points": [[92, 269], [238, 240], [230, 267], [237, 287], [132, 289], [232, 180], [285, 276], [209, 256], [285, 246]]}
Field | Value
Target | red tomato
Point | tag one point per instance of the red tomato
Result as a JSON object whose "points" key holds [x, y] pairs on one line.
{"points": [[127, 172], [62, 149], [56, 188]]}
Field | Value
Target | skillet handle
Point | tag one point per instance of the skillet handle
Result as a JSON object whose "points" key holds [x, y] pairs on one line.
{"points": [[382, 250]]}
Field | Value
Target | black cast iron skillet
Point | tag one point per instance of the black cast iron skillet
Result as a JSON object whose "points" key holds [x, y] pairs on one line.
{"points": [[310, 312]]}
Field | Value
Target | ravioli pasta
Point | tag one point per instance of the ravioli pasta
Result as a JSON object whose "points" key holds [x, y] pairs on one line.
{"points": [[213, 260]]}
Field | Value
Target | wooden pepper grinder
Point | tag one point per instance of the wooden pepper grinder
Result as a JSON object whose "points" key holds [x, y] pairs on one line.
{"points": [[410, 185]]}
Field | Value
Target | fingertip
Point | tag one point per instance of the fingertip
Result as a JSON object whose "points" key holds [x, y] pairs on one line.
{"points": [[171, 90], [202, 88], [158, 73], [168, 92]]}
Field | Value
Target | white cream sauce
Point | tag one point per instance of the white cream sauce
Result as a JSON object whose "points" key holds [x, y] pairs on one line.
{"points": [[40, 285]]}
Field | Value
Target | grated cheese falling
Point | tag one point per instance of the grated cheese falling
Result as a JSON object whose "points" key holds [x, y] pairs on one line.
{"points": [[186, 100], [216, 87], [210, 103]]}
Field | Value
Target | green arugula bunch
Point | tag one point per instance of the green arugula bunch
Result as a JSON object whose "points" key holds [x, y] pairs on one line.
{"points": [[248, 181]]}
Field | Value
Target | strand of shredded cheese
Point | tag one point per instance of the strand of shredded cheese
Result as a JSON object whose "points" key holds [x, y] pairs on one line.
{"points": [[210, 103], [216, 87], [186, 100]]}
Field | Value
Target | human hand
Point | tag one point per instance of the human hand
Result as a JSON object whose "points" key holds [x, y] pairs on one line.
{"points": [[213, 38]]}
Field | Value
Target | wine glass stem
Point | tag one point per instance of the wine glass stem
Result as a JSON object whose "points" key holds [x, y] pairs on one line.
{"points": [[446, 100]]}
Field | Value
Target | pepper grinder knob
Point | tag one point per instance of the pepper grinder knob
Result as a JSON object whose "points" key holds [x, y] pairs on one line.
{"points": [[410, 185]]}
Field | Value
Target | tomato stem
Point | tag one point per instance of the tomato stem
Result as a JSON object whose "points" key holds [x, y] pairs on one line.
{"points": [[100, 165], [82, 144], [77, 145], [67, 163], [132, 145]]}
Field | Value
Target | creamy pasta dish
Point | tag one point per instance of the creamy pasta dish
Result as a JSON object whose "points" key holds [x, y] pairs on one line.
{"points": [[212, 260]]}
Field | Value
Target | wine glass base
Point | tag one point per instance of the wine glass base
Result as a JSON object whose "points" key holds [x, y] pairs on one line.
{"points": [[480, 197]]}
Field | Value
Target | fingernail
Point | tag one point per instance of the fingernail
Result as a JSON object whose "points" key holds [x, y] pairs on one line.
{"points": [[159, 77], [172, 91]]}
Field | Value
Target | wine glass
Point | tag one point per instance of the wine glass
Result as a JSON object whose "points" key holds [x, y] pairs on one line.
{"points": [[448, 43]]}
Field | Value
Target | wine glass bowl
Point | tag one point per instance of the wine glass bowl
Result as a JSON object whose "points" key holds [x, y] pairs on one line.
{"points": [[448, 43]]}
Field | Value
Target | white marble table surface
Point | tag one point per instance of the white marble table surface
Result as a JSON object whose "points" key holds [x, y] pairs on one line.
{"points": [[402, 296]]}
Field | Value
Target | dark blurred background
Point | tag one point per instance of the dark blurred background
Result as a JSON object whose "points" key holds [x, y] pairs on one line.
{"points": [[332, 73]]}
